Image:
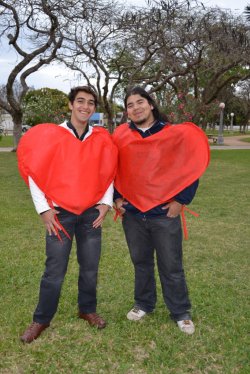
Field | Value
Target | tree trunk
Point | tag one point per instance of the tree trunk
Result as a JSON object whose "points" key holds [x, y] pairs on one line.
{"points": [[110, 116], [124, 118], [17, 130]]}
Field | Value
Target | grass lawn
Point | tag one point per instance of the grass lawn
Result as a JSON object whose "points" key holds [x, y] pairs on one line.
{"points": [[246, 140], [6, 141], [227, 133], [217, 271]]}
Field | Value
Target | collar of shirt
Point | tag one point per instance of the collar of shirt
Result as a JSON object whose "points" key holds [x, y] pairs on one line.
{"points": [[70, 126], [157, 126]]}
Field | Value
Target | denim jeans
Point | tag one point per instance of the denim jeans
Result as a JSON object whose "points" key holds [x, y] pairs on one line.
{"points": [[88, 243], [163, 236]]}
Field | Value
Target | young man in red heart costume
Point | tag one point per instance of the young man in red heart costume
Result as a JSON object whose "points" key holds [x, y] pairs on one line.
{"points": [[70, 170], [158, 170]]}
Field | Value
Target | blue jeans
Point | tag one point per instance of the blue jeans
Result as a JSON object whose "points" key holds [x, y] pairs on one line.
{"points": [[162, 235], [88, 243]]}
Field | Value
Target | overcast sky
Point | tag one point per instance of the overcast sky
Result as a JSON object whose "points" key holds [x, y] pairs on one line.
{"points": [[54, 76], [232, 4]]}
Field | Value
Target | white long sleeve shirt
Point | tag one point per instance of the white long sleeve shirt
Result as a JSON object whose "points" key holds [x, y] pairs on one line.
{"points": [[39, 198]]}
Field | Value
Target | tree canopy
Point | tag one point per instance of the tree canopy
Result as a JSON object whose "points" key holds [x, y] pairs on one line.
{"points": [[188, 55], [45, 105], [32, 30]]}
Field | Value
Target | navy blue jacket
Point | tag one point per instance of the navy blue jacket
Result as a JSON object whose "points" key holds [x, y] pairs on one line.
{"points": [[183, 197]]}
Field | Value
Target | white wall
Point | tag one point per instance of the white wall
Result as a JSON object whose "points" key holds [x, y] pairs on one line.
{"points": [[6, 122]]}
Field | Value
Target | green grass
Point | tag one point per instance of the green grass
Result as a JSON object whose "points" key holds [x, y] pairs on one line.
{"points": [[246, 140], [227, 133], [6, 141], [217, 272]]}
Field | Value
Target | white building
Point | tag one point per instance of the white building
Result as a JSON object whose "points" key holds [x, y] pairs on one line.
{"points": [[6, 123]]}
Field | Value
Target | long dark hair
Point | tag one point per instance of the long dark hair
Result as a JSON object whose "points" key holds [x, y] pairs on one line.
{"points": [[143, 93]]}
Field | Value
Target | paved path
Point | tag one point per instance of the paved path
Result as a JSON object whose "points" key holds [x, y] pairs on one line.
{"points": [[233, 142], [236, 140], [6, 149]]}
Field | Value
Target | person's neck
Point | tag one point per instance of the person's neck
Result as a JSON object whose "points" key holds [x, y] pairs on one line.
{"points": [[80, 127], [146, 125]]}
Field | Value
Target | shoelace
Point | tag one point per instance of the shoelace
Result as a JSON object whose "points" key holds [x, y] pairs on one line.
{"points": [[136, 310], [186, 322]]}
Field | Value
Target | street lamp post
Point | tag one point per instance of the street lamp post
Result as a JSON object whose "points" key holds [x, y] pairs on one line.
{"points": [[220, 134], [232, 121]]}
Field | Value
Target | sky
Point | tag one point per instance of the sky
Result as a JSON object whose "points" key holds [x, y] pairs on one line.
{"points": [[232, 4], [57, 76]]}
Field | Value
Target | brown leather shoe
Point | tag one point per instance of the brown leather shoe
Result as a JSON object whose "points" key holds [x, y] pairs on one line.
{"points": [[93, 319], [33, 331]]}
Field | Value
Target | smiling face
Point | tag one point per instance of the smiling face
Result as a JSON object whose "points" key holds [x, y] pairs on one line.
{"points": [[139, 110], [82, 108]]}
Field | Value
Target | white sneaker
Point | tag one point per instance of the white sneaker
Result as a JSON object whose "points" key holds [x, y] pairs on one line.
{"points": [[135, 314], [186, 326]]}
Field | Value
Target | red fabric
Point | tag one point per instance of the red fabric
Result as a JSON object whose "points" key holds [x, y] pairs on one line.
{"points": [[74, 174], [153, 170], [183, 218]]}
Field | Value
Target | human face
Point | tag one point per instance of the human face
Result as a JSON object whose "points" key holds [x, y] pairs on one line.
{"points": [[139, 110], [82, 108]]}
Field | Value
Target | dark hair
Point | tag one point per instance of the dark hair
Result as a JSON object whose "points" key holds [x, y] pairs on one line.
{"points": [[74, 91], [143, 93]]}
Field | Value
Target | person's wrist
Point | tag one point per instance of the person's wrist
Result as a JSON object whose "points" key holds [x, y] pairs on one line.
{"points": [[41, 213], [107, 205]]}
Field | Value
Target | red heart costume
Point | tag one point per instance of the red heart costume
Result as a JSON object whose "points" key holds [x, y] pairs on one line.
{"points": [[73, 174], [154, 169]]}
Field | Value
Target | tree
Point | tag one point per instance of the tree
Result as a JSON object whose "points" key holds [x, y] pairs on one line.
{"points": [[205, 52], [240, 104], [89, 47], [32, 29], [247, 12], [45, 105], [168, 46], [112, 46], [172, 48]]}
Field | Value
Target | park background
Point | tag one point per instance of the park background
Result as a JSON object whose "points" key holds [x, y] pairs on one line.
{"points": [[192, 57]]}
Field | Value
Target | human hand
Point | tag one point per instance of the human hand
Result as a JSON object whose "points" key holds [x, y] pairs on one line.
{"points": [[103, 210], [119, 203], [49, 221], [174, 209]]}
